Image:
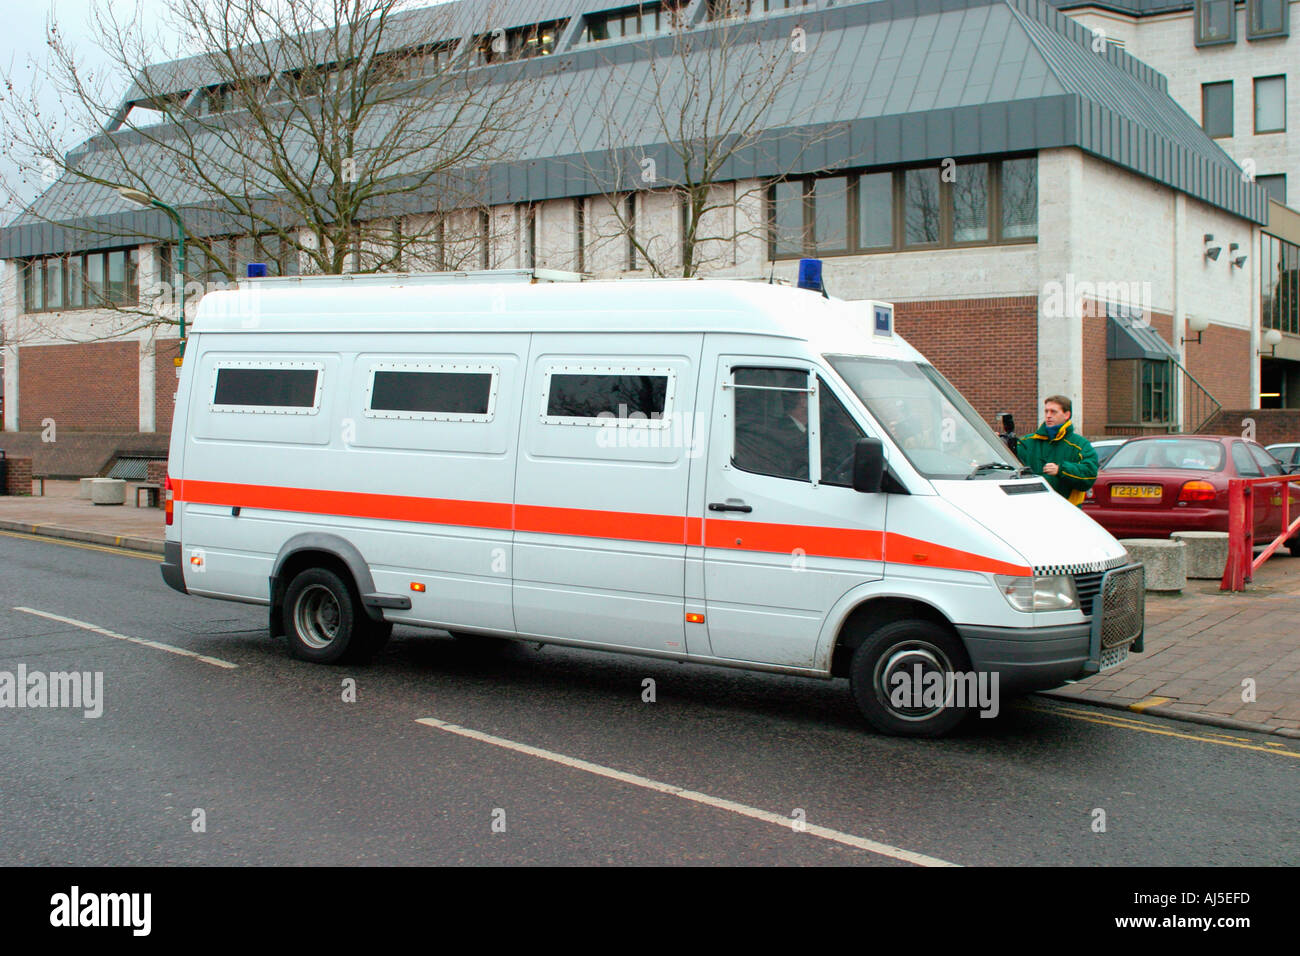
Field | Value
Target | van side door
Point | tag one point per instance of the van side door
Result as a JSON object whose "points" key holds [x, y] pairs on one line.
{"points": [[785, 535], [601, 489]]}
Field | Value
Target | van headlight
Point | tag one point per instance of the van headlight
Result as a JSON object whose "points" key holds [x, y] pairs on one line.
{"points": [[1053, 592]]}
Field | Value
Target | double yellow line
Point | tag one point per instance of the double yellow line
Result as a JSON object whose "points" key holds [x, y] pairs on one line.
{"points": [[1277, 748], [107, 549]]}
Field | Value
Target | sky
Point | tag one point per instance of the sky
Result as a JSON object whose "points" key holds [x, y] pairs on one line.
{"points": [[25, 41]]}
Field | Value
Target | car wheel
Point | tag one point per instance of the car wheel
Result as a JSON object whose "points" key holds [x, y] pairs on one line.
{"points": [[325, 623], [884, 672]]}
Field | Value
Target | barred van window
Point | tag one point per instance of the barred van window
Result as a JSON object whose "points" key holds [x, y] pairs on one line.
{"points": [[453, 393], [266, 387], [590, 396]]}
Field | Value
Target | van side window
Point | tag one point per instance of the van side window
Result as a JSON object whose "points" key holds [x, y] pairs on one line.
{"points": [[287, 387], [600, 394], [771, 422], [839, 436], [438, 392]]}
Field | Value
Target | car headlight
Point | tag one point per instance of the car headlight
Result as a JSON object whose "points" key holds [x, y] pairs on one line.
{"points": [[1048, 593]]}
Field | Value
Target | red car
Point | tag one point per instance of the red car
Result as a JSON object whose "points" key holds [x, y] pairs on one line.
{"points": [[1154, 486]]}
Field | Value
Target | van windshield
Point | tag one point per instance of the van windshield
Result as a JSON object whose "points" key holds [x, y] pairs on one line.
{"points": [[927, 418]]}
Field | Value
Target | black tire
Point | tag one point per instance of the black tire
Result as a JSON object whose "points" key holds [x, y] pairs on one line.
{"points": [[1294, 547], [900, 647], [325, 622]]}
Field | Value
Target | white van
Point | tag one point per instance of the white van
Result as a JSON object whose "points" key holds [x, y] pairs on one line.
{"points": [[726, 472]]}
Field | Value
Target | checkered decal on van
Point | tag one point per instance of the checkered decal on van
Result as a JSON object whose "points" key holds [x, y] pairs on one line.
{"points": [[1086, 567]]}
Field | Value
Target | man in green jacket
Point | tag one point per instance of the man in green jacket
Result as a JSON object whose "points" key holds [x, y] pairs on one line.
{"points": [[1059, 453]]}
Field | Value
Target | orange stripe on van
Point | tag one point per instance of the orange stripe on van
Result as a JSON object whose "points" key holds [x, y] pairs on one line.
{"points": [[730, 534], [621, 525], [353, 504], [793, 539]]}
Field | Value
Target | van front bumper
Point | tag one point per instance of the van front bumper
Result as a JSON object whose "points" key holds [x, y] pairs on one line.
{"points": [[1030, 658]]}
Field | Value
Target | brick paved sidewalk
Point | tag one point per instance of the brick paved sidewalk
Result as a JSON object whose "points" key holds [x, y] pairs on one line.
{"points": [[61, 514], [1200, 645]]}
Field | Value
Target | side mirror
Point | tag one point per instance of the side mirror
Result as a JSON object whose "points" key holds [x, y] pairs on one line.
{"points": [[868, 465]]}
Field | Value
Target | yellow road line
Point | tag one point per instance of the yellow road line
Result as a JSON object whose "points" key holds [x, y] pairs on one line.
{"points": [[108, 549], [1149, 702], [1127, 724]]}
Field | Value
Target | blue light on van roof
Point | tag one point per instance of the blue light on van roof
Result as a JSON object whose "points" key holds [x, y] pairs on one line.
{"points": [[810, 275], [257, 270]]}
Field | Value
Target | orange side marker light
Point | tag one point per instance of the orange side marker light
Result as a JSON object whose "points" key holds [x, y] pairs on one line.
{"points": [[417, 586], [694, 618]]}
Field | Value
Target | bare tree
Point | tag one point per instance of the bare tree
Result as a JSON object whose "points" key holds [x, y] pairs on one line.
{"points": [[685, 120], [326, 135]]}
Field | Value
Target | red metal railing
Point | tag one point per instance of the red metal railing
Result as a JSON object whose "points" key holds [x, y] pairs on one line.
{"points": [[1242, 563]]}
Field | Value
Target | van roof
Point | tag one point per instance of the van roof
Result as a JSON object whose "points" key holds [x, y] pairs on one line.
{"points": [[693, 305]]}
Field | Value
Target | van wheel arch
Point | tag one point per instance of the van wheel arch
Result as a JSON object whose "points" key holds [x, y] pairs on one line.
{"points": [[318, 551], [871, 615]]}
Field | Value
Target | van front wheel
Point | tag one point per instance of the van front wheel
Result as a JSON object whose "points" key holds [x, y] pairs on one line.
{"points": [[324, 621], [900, 679]]}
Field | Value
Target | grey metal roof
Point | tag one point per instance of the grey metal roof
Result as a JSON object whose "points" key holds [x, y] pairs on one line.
{"points": [[1130, 338], [892, 82], [1137, 8]]}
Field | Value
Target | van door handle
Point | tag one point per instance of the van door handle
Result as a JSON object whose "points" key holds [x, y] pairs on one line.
{"points": [[730, 506]]}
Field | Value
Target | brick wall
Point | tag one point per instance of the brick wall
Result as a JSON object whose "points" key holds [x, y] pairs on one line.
{"points": [[80, 454], [988, 348], [86, 387], [18, 478], [155, 472], [1222, 364], [165, 382], [1272, 425]]}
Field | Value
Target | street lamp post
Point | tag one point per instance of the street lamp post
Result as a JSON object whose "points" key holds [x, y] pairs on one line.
{"points": [[178, 278]]}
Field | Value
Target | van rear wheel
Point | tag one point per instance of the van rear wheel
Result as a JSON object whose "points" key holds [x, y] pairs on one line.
{"points": [[325, 623], [899, 679]]}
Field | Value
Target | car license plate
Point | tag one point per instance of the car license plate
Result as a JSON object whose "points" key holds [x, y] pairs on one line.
{"points": [[1136, 491]]}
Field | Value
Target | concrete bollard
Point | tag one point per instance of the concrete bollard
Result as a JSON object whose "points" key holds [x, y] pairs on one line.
{"points": [[83, 489], [1207, 553], [1165, 561], [108, 491]]}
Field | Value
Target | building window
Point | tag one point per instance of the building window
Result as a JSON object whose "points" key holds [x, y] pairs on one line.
{"points": [[580, 234], [899, 209], [1018, 198], [921, 206], [830, 208], [629, 215], [1266, 18], [1279, 280], [86, 280], [786, 220], [641, 20], [876, 211], [1156, 391], [1216, 108], [731, 9], [1216, 22], [1270, 104], [521, 43], [1274, 185], [970, 203]]}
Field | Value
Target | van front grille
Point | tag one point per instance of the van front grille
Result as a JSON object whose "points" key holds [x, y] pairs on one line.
{"points": [[1087, 586]]}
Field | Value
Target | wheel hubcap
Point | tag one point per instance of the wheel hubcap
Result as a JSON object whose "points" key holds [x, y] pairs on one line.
{"points": [[911, 680], [317, 616]]}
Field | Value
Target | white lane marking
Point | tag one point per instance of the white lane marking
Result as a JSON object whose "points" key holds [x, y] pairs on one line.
{"points": [[214, 661], [848, 839]]}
